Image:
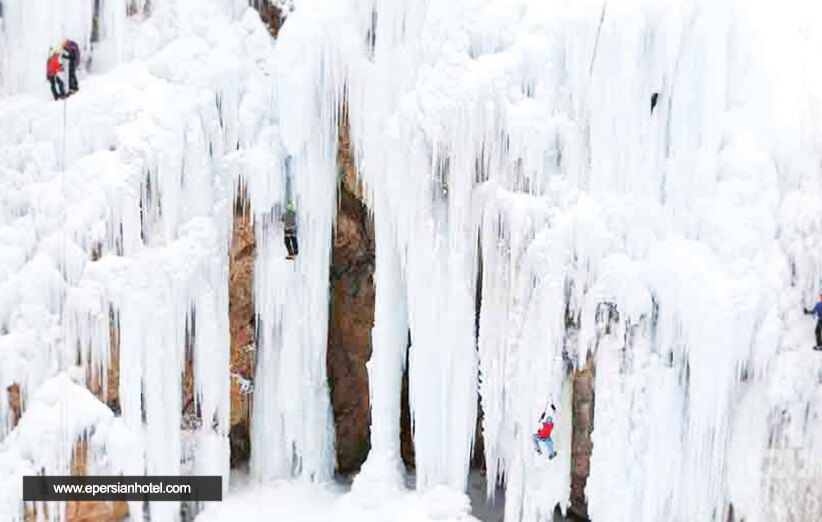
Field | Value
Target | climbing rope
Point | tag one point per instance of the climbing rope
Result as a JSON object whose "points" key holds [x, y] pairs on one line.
{"points": [[596, 40], [65, 450], [548, 404], [63, 152]]}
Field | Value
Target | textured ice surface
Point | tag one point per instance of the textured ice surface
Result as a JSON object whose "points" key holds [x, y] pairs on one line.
{"points": [[504, 143], [523, 130], [135, 168]]}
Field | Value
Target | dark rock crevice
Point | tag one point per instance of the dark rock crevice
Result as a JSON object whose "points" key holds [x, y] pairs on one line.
{"points": [[15, 405], [582, 382], [478, 453], [407, 451], [271, 15], [351, 314]]}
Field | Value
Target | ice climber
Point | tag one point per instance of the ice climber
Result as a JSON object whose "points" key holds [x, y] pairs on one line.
{"points": [[54, 67], [817, 311], [654, 99], [544, 433], [72, 53], [290, 221]]}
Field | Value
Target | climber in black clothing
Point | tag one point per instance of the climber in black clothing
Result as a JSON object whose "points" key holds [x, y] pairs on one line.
{"points": [[817, 311], [71, 52], [654, 99], [289, 219]]}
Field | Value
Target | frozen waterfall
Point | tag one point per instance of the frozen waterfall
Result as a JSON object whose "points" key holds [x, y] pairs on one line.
{"points": [[510, 144]]}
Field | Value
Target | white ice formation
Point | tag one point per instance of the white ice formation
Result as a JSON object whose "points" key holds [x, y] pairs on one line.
{"points": [[507, 143]]}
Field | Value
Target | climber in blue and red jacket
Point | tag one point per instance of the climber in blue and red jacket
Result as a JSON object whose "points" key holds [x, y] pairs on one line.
{"points": [[53, 69], [817, 311], [544, 434]]}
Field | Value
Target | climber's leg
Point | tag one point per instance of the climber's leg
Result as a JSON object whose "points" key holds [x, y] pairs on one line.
{"points": [[58, 90], [291, 245], [73, 87]]}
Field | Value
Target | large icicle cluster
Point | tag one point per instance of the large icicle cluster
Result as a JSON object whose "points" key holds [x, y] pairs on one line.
{"points": [[506, 143], [294, 161], [135, 170], [674, 246]]}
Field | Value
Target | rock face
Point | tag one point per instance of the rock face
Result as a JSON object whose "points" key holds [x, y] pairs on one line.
{"points": [[478, 453], [96, 511], [406, 436], [108, 393], [272, 16], [189, 412], [351, 317], [581, 446], [91, 511], [242, 326], [15, 406]]}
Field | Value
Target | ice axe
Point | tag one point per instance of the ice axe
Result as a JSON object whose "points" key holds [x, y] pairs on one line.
{"points": [[551, 404]]}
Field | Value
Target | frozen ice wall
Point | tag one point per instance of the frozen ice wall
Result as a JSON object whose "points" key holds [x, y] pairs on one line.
{"points": [[507, 144], [115, 219], [292, 427], [674, 246]]}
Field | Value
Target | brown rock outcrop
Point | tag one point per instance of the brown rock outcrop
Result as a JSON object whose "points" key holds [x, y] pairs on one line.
{"points": [[407, 451], [351, 316], [581, 445], [109, 393], [15, 405], [241, 325], [96, 511], [91, 511], [272, 16]]}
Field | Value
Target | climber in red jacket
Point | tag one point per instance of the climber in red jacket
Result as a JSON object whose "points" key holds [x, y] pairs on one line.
{"points": [[544, 434], [53, 69]]}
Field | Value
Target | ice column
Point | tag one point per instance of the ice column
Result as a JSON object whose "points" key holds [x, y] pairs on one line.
{"points": [[292, 427], [385, 368]]}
